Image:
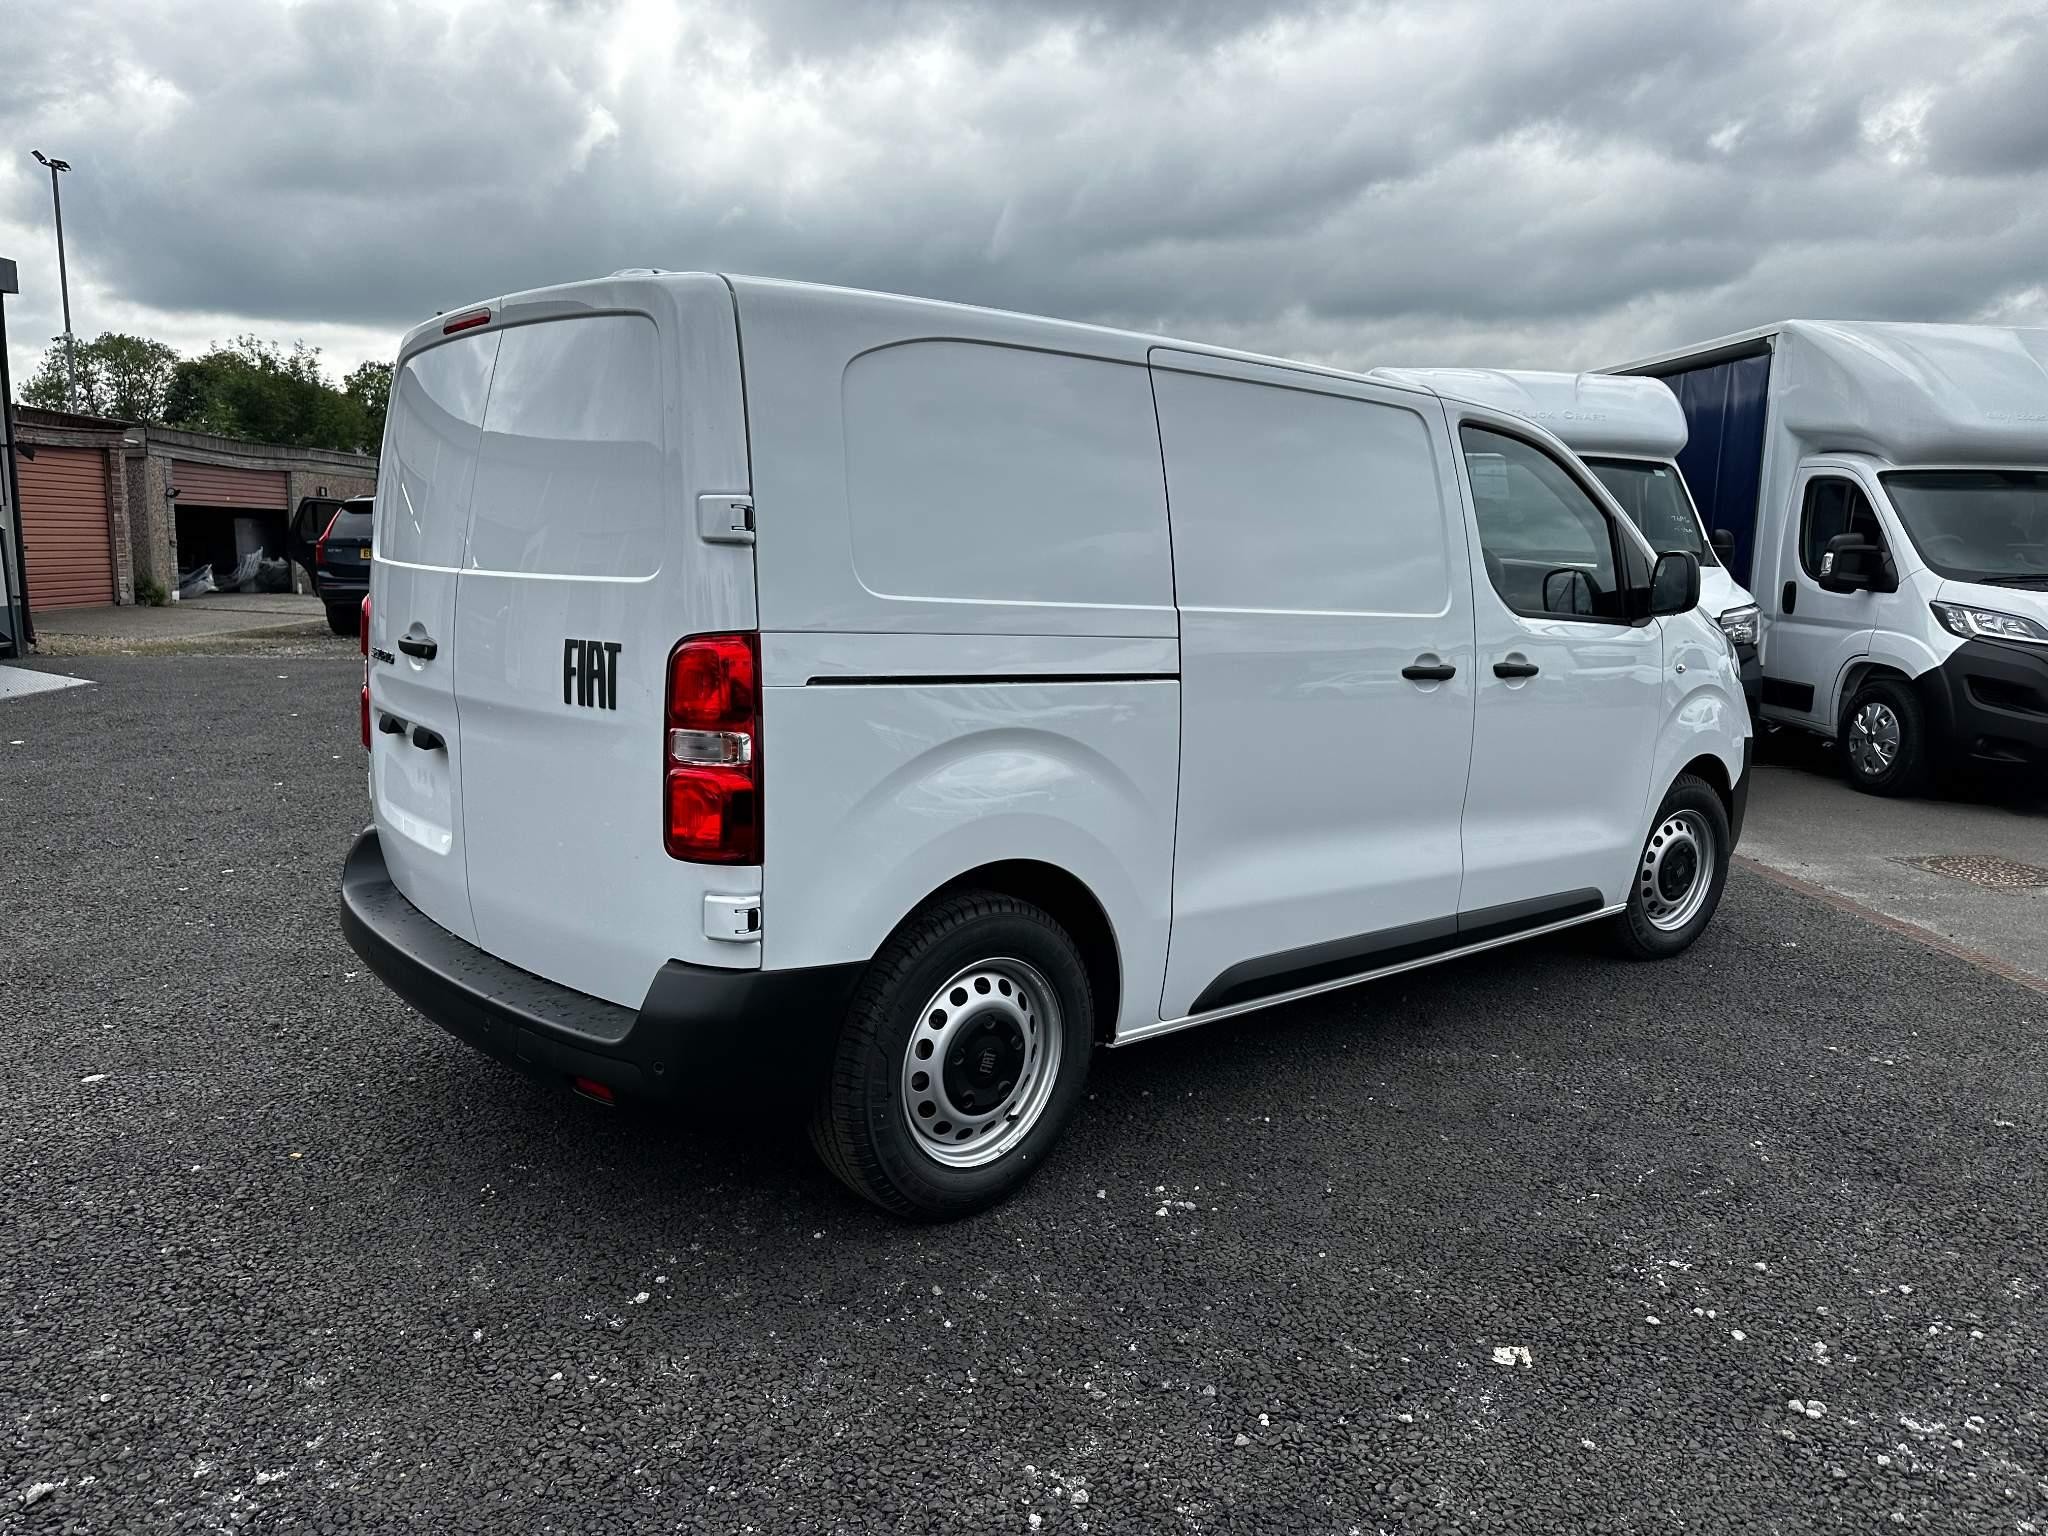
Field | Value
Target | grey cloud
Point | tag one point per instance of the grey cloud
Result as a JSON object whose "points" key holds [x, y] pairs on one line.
{"points": [[1311, 177]]}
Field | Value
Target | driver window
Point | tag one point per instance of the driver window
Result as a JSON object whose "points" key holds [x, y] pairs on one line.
{"points": [[1549, 549], [1834, 505]]}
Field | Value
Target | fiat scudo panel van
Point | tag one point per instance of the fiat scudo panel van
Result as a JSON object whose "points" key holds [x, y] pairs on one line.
{"points": [[742, 655]]}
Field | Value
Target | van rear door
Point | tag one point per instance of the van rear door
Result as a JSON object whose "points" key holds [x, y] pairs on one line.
{"points": [[430, 458], [614, 407]]}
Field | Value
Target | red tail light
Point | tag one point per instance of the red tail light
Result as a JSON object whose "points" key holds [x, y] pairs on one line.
{"points": [[711, 757], [363, 640], [320, 544]]}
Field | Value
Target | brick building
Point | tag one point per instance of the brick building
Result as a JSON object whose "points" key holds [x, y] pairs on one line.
{"points": [[106, 504]]}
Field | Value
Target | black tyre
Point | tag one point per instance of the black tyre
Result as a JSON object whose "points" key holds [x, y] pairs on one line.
{"points": [[1680, 875], [962, 1058], [341, 617], [1883, 740]]}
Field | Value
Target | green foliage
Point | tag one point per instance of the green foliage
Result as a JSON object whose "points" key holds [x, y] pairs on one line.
{"points": [[150, 593], [125, 377], [247, 388], [370, 387]]}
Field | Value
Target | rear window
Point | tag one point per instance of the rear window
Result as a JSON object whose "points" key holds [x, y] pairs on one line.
{"points": [[569, 482], [437, 405], [350, 523]]}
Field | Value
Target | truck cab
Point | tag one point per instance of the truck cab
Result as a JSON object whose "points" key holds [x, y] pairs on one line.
{"points": [[1888, 484]]}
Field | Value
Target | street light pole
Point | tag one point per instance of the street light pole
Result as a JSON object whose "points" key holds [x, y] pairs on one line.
{"points": [[63, 280]]}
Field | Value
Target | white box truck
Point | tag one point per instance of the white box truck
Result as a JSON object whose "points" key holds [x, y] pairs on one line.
{"points": [[745, 660], [1887, 489], [1630, 433]]}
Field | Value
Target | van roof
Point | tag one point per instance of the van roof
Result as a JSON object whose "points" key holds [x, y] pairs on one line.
{"points": [[1134, 344], [1906, 392], [1590, 412]]}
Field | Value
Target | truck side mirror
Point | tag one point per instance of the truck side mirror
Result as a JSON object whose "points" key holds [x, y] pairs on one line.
{"points": [[1674, 583], [1851, 563], [1724, 545]]}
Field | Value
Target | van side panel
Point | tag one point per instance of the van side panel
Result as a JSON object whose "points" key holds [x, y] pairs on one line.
{"points": [[880, 793], [967, 616], [928, 468], [609, 416], [1318, 552]]}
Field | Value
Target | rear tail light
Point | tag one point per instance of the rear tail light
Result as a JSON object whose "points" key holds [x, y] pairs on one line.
{"points": [[363, 639], [711, 759], [320, 545]]}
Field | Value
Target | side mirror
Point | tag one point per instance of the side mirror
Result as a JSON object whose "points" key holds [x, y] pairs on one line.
{"points": [[1674, 583], [1567, 590], [1851, 563], [1724, 545]]}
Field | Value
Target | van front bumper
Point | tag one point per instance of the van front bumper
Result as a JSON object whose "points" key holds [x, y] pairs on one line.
{"points": [[1989, 702], [695, 1021]]}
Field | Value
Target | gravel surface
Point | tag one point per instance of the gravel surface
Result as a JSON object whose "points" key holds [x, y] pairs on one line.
{"points": [[1751, 1241]]}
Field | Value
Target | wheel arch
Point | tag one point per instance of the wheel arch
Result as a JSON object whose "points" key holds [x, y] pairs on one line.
{"points": [[1859, 672], [1069, 901], [1708, 767]]}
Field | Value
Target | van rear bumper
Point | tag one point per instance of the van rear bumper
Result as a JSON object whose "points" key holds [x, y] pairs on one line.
{"points": [[694, 1021]]}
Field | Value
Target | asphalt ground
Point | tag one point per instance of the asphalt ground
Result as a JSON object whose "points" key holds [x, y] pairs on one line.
{"points": [[1807, 822], [1768, 1221]]}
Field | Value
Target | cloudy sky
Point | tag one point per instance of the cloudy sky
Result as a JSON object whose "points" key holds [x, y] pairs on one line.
{"points": [[1521, 182]]}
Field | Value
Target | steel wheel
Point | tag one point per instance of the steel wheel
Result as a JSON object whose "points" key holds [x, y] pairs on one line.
{"points": [[979, 1068], [1874, 736], [1677, 871]]}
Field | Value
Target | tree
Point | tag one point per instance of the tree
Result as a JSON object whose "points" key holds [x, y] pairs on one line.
{"points": [[255, 389], [369, 385], [247, 388], [125, 377]]}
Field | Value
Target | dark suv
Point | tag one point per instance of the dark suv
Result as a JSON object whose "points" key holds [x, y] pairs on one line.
{"points": [[340, 555]]}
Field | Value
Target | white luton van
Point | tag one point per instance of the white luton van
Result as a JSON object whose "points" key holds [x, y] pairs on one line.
{"points": [[745, 657], [1630, 433], [1888, 486]]}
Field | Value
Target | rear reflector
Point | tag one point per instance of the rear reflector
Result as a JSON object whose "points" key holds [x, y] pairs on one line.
{"points": [[591, 1088], [366, 717], [468, 322]]}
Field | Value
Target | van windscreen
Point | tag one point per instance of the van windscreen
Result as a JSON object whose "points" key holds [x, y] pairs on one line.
{"points": [[1654, 498], [1988, 525]]}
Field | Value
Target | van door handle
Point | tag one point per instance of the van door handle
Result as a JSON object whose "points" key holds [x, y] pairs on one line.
{"points": [[1420, 671], [1513, 667], [1788, 599], [417, 642], [426, 740]]}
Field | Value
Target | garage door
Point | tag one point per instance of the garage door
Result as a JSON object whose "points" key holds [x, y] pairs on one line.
{"points": [[216, 485], [64, 527]]}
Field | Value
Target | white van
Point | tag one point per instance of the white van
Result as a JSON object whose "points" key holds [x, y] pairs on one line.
{"points": [[743, 656], [1890, 483], [1629, 432]]}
